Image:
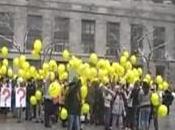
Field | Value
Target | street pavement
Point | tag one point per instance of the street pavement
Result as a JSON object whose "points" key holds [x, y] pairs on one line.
{"points": [[167, 123]]}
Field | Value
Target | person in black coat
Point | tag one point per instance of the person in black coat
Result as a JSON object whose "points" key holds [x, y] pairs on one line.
{"points": [[73, 104], [29, 92], [168, 99]]}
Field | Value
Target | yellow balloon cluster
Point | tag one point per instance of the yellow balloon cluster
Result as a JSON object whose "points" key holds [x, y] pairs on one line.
{"points": [[96, 69]]}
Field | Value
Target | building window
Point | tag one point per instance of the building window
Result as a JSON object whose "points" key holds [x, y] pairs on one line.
{"points": [[61, 33], [158, 1], [6, 29], [158, 42], [34, 30], [88, 35], [160, 70], [136, 37], [113, 39]]}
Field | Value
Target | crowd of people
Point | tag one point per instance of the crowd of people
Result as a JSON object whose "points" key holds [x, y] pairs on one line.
{"points": [[112, 105]]}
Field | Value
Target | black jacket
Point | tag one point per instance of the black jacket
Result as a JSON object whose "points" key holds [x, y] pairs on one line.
{"points": [[73, 99]]}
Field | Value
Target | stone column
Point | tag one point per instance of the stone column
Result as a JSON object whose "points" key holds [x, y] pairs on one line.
{"points": [[100, 37], [20, 26], [125, 30], [47, 27], [169, 49], [169, 41], [75, 34]]}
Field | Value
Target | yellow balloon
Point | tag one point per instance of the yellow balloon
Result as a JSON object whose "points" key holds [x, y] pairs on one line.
{"points": [[75, 63], [83, 81], [38, 95], [3, 70], [93, 58], [27, 74], [32, 71], [102, 73], [5, 62], [162, 111], [136, 72], [161, 86], [93, 72], [21, 73], [64, 114], [85, 108], [101, 64], [25, 65], [4, 51], [121, 71], [159, 79], [148, 77], [155, 99], [22, 58], [45, 66], [61, 69], [66, 55], [123, 60], [37, 45], [105, 80], [64, 76], [52, 76], [140, 71], [33, 100], [128, 65], [84, 92], [126, 54], [165, 85], [87, 73], [133, 59], [52, 65], [54, 89], [10, 72], [16, 61], [130, 77]]}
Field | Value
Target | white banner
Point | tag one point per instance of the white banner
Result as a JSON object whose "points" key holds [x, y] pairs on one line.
{"points": [[20, 93], [5, 96]]}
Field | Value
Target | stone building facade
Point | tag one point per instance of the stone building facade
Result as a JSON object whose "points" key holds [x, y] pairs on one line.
{"points": [[102, 26]]}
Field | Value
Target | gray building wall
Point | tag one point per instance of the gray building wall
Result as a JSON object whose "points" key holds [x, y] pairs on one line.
{"points": [[125, 12]]}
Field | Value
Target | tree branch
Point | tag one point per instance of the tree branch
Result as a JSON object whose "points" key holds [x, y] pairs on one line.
{"points": [[11, 41]]}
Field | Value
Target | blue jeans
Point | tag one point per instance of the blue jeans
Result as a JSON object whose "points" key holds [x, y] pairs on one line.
{"points": [[117, 119], [144, 118], [74, 122]]}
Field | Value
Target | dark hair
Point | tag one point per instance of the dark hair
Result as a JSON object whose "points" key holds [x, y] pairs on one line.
{"points": [[145, 88]]}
